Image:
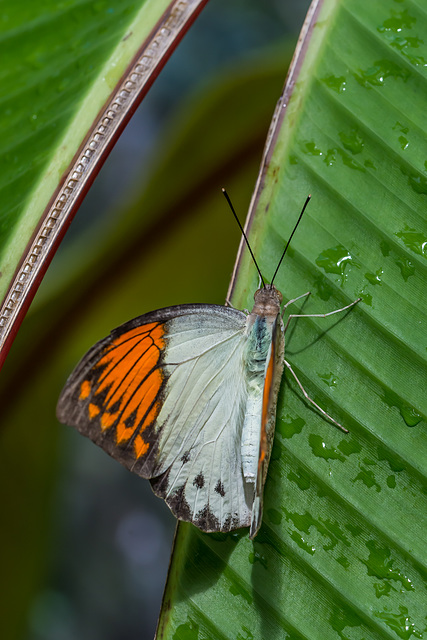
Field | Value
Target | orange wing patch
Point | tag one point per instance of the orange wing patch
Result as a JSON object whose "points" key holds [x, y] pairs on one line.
{"points": [[94, 410], [130, 380], [85, 390]]}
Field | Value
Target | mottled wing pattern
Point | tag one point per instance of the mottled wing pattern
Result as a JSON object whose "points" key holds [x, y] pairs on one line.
{"points": [[165, 394]]}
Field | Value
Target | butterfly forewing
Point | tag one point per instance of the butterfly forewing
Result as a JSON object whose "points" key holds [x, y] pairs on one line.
{"points": [[166, 395]]}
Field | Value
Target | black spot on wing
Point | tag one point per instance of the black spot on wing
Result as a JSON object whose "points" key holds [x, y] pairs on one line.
{"points": [[179, 505], [130, 420], [199, 481], [206, 520], [176, 501], [185, 458], [219, 488], [160, 484], [233, 522]]}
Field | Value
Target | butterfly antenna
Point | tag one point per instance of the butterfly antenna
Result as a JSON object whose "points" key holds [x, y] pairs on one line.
{"points": [[244, 234], [290, 238]]}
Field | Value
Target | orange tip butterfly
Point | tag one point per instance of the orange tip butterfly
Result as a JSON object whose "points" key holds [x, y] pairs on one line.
{"points": [[186, 396]]}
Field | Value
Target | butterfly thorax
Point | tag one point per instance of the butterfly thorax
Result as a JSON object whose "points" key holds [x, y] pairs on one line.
{"points": [[256, 351], [259, 328]]}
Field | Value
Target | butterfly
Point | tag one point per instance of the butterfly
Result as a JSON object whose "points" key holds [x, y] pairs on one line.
{"points": [[186, 396]]}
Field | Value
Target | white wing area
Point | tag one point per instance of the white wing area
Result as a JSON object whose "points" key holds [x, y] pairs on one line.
{"points": [[201, 420]]}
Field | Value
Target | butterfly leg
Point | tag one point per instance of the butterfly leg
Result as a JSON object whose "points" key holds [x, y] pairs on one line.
{"points": [[320, 315], [289, 302], [307, 397]]}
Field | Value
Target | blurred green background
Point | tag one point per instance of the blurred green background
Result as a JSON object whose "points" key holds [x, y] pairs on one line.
{"points": [[88, 544]]}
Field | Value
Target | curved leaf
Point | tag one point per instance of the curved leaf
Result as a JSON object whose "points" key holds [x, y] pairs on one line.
{"points": [[63, 566], [341, 553], [75, 73]]}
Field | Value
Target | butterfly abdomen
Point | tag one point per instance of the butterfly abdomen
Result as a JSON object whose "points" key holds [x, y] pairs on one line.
{"points": [[256, 358]]}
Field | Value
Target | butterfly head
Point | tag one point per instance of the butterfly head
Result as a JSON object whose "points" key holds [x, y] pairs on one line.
{"points": [[267, 300]]}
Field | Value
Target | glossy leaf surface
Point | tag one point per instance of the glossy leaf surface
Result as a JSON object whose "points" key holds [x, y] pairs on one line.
{"points": [[75, 73], [341, 553]]}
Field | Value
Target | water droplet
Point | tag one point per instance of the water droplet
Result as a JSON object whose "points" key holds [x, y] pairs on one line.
{"points": [[332, 530], [369, 164], [397, 22], [404, 144], [328, 378], [385, 248], [406, 267], [257, 556], [416, 181], [301, 479], [237, 590], [330, 157], [296, 537], [343, 616], [382, 589], [323, 287], [391, 482], [367, 477], [248, 634], [288, 427], [337, 83], [188, 630], [366, 297], [311, 149], [400, 127], [335, 260], [381, 565], [374, 278], [349, 162], [394, 461], [400, 623], [416, 242], [377, 75], [352, 141], [410, 416], [349, 446], [320, 449], [405, 46], [343, 562]]}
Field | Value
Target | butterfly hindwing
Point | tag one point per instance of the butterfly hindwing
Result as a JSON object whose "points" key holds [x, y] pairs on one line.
{"points": [[166, 394]]}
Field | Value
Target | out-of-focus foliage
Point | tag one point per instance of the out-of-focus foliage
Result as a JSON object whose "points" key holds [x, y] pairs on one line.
{"points": [[61, 60]]}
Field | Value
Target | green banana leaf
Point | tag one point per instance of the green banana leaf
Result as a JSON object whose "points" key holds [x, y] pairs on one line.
{"points": [[94, 285], [67, 89], [341, 553]]}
